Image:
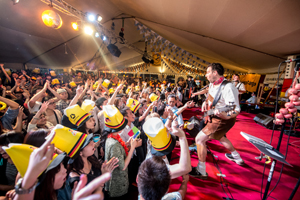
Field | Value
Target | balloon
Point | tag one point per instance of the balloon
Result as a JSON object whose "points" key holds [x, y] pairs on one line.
{"points": [[279, 116], [283, 111]]}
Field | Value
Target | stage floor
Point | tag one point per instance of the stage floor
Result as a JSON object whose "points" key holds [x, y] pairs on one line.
{"points": [[243, 182]]}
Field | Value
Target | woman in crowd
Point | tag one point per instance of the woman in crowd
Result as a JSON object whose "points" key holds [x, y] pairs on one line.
{"points": [[52, 115], [39, 119]]}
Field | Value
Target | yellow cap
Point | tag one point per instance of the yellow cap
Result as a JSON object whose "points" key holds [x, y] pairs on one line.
{"points": [[88, 105], [76, 115], [153, 97], [52, 73], [95, 85], [67, 140], [36, 70], [55, 81], [137, 88], [111, 90], [106, 83], [133, 104], [72, 84], [161, 141], [20, 154], [113, 118]]}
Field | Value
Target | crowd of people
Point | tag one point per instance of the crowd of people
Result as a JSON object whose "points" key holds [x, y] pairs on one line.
{"points": [[101, 137]]}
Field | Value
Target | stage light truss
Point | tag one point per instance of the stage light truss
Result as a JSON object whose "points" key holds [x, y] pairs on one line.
{"points": [[68, 9]]}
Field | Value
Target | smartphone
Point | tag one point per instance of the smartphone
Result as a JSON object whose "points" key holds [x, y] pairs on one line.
{"points": [[136, 134]]}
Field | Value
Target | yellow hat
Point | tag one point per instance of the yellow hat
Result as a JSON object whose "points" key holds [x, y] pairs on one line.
{"points": [[106, 83], [8, 71], [95, 85], [88, 105], [162, 142], [111, 90], [55, 81], [137, 88], [52, 73], [77, 115], [133, 104], [2, 105], [33, 78], [20, 155], [153, 97], [36, 70], [113, 119], [69, 140], [72, 84]]}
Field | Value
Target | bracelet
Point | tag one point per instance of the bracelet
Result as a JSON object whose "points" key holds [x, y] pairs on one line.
{"points": [[20, 190], [36, 118]]}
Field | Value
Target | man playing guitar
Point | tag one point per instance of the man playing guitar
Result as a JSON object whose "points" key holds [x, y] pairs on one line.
{"points": [[218, 125]]}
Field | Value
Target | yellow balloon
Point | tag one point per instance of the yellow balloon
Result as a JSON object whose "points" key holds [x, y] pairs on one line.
{"points": [[52, 19]]}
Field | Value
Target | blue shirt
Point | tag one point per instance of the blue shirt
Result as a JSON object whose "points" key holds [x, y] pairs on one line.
{"points": [[9, 117]]}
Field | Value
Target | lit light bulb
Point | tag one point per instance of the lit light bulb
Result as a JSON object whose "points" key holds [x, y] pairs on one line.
{"points": [[99, 18], [91, 17], [88, 30], [96, 34], [75, 26]]}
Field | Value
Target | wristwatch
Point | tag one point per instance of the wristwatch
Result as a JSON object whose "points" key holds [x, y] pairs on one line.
{"points": [[20, 190]]}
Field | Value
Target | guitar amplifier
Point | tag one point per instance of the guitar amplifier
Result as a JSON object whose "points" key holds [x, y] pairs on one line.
{"points": [[264, 120]]}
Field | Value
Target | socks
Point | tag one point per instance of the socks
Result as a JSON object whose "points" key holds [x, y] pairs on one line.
{"points": [[201, 167], [236, 155]]}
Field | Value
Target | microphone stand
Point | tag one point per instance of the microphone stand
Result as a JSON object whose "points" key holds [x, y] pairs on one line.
{"points": [[273, 163]]}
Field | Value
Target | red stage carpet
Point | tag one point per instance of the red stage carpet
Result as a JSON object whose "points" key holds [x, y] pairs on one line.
{"points": [[244, 182]]}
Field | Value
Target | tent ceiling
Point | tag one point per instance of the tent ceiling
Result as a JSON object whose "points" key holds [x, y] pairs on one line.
{"points": [[243, 35]]}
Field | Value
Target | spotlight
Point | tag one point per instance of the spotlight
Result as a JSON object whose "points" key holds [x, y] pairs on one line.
{"points": [[103, 37], [75, 26], [88, 30], [15, 1], [91, 17], [96, 34], [99, 18], [52, 19]]}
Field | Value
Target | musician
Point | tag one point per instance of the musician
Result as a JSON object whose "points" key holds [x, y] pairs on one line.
{"points": [[238, 84], [190, 86], [219, 124]]}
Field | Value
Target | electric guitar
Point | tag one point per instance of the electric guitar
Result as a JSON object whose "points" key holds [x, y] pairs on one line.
{"points": [[211, 111]]}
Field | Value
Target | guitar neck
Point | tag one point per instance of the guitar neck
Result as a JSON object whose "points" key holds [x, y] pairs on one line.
{"points": [[211, 111]]}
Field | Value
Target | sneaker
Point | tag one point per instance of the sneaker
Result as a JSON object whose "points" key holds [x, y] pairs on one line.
{"points": [[196, 174], [237, 161], [193, 147]]}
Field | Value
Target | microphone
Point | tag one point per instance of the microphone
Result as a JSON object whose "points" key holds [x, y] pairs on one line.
{"points": [[292, 60]]}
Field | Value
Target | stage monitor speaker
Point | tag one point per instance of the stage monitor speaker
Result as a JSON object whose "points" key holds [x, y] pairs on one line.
{"points": [[114, 50], [264, 120]]}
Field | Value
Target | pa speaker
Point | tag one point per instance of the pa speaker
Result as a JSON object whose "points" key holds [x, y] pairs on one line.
{"points": [[264, 120], [114, 50]]}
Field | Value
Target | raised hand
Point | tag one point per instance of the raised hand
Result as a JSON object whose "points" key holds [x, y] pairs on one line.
{"points": [[21, 109], [93, 190], [79, 90], [44, 106], [110, 165]]}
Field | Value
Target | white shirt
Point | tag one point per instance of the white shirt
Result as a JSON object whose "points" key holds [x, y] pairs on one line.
{"points": [[35, 108], [240, 86], [229, 93], [252, 99]]}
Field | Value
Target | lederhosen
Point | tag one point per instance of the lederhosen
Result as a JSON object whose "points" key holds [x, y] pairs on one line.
{"points": [[218, 127]]}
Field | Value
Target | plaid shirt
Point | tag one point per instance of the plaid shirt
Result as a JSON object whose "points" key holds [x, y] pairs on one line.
{"points": [[61, 105]]}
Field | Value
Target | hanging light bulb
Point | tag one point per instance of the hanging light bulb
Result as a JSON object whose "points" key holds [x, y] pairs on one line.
{"points": [[88, 30], [75, 26], [52, 19]]}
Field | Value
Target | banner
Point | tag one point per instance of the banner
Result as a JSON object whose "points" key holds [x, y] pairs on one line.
{"points": [[156, 58], [251, 81], [272, 78]]}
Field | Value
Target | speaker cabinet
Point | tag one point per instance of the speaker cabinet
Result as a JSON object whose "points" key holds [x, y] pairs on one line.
{"points": [[114, 50]]}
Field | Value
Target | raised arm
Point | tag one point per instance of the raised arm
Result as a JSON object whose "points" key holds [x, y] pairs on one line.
{"points": [[38, 95], [2, 68], [53, 91], [79, 91], [111, 101], [184, 165], [18, 126], [99, 84], [13, 105], [147, 111], [36, 117]]}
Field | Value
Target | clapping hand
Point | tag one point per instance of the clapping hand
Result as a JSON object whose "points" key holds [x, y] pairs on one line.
{"points": [[110, 165]]}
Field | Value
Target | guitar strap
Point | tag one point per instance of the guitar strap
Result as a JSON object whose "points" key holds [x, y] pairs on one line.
{"points": [[218, 95]]}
